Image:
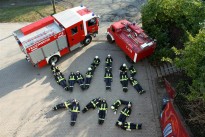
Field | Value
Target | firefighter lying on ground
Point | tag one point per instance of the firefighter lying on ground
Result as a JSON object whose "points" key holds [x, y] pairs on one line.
{"points": [[129, 126], [54, 68], [108, 79], [80, 79], [133, 71], [118, 103], [65, 105], [61, 80], [102, 111], [123, 68], [136, 85], [126, 111], [108, 63], [71, 81], [92, 104], [96, 61], [75, 109], [124, 80], [88, 78]]}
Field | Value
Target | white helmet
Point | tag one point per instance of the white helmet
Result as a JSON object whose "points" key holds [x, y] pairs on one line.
{"points": [[77, 71], [129, 105], [53, 64], [89, 69], [124, 65], [112, 107], [108, 55], [96, 57], [119, 123]]}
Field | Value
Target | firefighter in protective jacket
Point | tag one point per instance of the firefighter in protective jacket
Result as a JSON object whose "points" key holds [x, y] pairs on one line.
{"points": [[102, 111], [65, 105], [108, 62], [71, 81], [92, 104], [96, 61], [54, 68], [75, 109], [108, 79], [124, 80], [80, 79], [126, 111], [136, 85], [88, 78], [118, 103], [133, 71], [129, 126], [61, 80]]}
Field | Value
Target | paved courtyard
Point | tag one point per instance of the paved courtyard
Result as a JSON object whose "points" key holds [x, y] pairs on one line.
{"points": [[27, 94]]}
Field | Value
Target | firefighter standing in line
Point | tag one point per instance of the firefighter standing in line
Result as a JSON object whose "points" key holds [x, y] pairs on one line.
{"points": [[88, 78], [136, 85], [126, 111], [61, 80], [117, 104], [75, 109], [80, 79], [124, 80], [65, 105], [108, 62], [96, 61], [108, 79], [129, 126], [133, 71], [102, 111], [123, 68], [71, 81], [92, 104]]}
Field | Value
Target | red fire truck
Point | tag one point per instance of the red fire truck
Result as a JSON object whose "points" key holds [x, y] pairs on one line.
{"points": [[46, 40], [131, 39]]}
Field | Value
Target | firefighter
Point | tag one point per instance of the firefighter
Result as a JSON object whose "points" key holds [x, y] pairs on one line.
{"points": [[123, 68], [108, 79], [96, 61], [133, 71], [61, 80], [117, 104], [71, 81], [124, 80], [102, 111], [65, 105], [92, 104], [88, 78], [126, 111], [108, 62], [129, 126], [136, 85], [80, 79], [75, 109]]}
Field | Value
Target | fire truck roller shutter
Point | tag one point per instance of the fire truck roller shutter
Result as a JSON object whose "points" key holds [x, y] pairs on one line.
{"points": [[37, 56], [62, 42], [49, 50]]}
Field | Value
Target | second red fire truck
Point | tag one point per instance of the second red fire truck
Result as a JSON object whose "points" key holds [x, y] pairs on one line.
{"points": [[46, 40]]}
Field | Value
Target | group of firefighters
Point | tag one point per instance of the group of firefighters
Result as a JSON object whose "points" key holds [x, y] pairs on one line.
{"points": [[100, 103]]}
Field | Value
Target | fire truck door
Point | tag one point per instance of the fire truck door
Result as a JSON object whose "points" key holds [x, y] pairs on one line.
{"points": [[92, 25], [75, 33]]}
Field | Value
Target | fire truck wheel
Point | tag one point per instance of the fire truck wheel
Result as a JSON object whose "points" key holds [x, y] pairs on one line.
{"points": [[109, 39], [87, 40], [54, 59], [129, 59]]}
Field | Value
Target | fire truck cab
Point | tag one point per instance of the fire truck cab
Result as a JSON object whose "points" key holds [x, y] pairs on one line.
{"points": [[131, 39], [46, 40]]}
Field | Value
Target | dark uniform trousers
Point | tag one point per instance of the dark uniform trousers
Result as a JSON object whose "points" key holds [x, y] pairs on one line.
{"points": [[65, 105], [90, 105], [124, 82], [137, 86], [108, 80], [102, 113], [74, 114], [123, 115]]}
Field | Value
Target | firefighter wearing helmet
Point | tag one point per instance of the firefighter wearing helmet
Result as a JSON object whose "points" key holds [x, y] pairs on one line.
{"points": [[96, 61], [136, 85], [88, 78], [123, 68], [71, 81], [75, 109], [60, 79], [108, 62], [124, 80], [80, 79], [102, 111], [108, 79]]}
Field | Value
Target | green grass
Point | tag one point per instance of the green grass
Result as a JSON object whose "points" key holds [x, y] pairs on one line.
{"points": [[26, 13]]}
